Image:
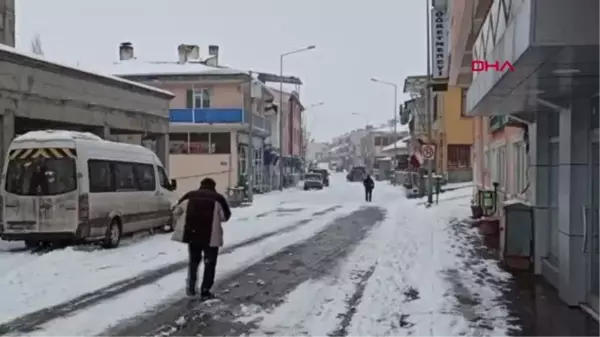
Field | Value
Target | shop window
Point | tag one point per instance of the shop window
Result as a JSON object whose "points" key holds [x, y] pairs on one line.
{"points": [[459, 156], [178, 143], [199, 143], [220, 142]]}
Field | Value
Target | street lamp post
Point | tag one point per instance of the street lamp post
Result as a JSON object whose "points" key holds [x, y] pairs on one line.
{"points": [[428, 106], [280, 115], [395, 86]]}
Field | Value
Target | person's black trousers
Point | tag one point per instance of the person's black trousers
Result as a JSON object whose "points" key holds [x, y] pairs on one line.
{"points": [[196, 251], [368, 194]]}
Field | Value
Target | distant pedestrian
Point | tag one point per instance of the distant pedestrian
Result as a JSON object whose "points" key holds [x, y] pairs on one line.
{"points": [[203, 233], [369, 186]]}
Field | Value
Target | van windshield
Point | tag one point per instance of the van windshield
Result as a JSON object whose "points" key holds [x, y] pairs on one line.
{"points": [[41, 176]]}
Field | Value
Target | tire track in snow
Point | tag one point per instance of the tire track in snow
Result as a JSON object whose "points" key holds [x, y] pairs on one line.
{"points": [[264, 284], [353, 301], [30, 322]]}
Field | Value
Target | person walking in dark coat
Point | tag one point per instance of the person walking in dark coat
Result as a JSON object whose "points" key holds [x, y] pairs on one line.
{"points": [[203, 233], [369, 186]]}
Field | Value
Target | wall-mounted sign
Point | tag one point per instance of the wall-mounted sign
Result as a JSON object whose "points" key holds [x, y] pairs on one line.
{"points": [[439, 44]]}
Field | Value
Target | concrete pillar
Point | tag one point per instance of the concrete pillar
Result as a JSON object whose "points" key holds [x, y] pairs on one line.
{"points": [[574, 190], [7, 132], [103, 132], [539, 137], [162, 149], [106, 133]]}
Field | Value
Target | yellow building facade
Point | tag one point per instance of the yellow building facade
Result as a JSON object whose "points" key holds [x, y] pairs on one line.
{"points": [[454, 135]]}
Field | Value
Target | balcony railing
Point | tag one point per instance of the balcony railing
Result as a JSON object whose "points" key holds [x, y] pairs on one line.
{"points": [[219, 116]]}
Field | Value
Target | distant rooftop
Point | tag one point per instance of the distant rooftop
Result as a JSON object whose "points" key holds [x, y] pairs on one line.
{"points": [[390, 128], [102, 75], [137, 67]]}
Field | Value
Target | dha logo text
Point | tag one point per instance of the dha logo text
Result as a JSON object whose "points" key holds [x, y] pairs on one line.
{"points": [[497, 66]]}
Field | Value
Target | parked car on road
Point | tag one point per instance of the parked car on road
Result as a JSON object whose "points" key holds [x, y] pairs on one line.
{"points": [[313, 181], [323, 173], [357, 173]]}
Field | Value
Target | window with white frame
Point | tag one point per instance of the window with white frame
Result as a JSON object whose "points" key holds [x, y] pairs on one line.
{"points": [[520, 167], [201, 98], [501, 166], [488, 165]]}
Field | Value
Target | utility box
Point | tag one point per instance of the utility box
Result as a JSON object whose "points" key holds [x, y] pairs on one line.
{"points": [[517, 235]]}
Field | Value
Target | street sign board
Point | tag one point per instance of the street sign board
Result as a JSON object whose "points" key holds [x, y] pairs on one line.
{"points": [[428, 151]]}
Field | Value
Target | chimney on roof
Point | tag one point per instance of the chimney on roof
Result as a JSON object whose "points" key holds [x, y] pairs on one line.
{"points": [[213, 53], [188, 52], [125, 51], [193, 52], [182, 53]]}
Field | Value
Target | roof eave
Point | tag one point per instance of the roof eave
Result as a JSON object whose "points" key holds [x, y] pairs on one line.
{"points": [[184, 77]]}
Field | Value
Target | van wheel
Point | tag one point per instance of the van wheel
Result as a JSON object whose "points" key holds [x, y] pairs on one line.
{"points": [[113, 234]]}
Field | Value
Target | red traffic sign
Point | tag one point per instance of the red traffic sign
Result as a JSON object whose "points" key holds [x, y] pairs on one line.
{"points": [[428, 151]]}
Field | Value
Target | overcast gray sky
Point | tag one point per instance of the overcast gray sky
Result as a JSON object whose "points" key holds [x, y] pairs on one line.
{"points": [[355, 39]]}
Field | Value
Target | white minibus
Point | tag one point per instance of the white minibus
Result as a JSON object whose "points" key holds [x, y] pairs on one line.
{"points": [[65, 186]]}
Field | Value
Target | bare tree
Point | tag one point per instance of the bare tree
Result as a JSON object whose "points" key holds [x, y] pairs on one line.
{"points": [[36, 45]]}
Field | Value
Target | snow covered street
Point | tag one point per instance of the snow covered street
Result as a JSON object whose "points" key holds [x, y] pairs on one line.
{"points": [[294, 263]]}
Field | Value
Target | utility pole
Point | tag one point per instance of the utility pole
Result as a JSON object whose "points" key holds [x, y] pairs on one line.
{"points": [[280, 119], [395, 121], [395, 159], [280, 111], [250, 160], [255, 93], [428, 107]]}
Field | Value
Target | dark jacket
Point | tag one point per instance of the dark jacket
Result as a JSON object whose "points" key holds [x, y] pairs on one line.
{"points": [[206, 210], [369, 183]]}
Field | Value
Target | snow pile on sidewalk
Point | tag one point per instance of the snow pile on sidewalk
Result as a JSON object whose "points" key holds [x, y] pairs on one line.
{"points": [[412, 276]]}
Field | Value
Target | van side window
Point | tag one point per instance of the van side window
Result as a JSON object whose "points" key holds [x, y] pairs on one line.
{"points": [[125, 176], [145, 177], [101, 176], [163, 179]]}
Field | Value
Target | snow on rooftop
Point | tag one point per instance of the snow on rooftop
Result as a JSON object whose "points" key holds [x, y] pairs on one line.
{"points": [[399, 145], [32, 56], [140, 67], [389, 128], [46, 135]]}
